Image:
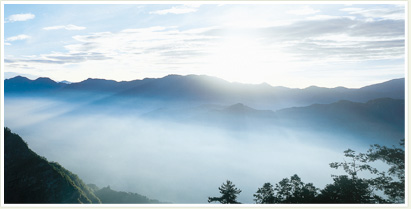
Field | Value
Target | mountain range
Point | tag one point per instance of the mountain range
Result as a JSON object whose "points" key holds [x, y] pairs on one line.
{"points": [[374, 112], [381, 120], [202, 89]]}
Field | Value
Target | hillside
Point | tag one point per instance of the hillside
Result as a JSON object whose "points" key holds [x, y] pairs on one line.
{"points": [[30, 178], [109, 196]]}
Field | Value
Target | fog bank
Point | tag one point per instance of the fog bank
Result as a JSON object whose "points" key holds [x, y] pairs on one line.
{"points": [[170, 161]]}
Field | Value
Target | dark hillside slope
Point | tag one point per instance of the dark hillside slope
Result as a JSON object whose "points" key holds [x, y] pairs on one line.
{"points": [[30, 178], [109, 196]]}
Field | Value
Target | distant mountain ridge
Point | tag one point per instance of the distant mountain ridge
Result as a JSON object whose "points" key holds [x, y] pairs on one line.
{"points": [[201, 88], [380, 119]]}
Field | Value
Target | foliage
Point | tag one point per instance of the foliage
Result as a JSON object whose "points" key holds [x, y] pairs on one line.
{"points": [[351, 188], [107, 195], [360, 190], [347, 190], [229, 194], [392, 184], [30, 178], [355, 165], [293, 190], [76, 182], [265, 194]]}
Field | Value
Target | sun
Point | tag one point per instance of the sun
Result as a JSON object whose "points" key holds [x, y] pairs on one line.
{"points": [[245, 58]]}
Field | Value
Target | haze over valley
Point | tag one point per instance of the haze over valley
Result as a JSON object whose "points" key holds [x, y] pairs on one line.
{"points": [[180, 133]]}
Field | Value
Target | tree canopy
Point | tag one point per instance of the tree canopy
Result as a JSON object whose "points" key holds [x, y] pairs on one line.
{"points": [[229, 194], [348, 188], [265, 194]]}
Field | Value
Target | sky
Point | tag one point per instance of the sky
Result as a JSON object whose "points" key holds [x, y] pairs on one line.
{"points": [[293, 45]]}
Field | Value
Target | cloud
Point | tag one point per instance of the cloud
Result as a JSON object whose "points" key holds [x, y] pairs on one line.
{"points": [[61, 58], [396, 13], [151, 49], [153, 41], [329, 37], [178, 9], [20, 17], [66, 27], [18, 37], [7, 44], [340, 39], [328, 17], [303, 11]]}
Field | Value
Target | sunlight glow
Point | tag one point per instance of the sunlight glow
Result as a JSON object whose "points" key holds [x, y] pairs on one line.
{"points": [[243, 58]]}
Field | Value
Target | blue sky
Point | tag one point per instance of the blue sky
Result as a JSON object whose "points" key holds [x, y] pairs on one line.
{"points": [[294, 45]]}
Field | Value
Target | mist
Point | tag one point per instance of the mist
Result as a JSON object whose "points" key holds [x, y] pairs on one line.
{"points": [[168, 160]]}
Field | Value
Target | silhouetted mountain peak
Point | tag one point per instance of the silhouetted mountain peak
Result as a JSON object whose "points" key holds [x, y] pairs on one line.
{"points": [[19, 78], [23, 84], [97, 80], [343, 102], [265, 85], [387, 85], [173, 76], [44, 80], [313, 87], [239, 107]]}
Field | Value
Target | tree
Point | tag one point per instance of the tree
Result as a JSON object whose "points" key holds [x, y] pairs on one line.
{"points": [[355, 165], [351, 188], [229, 194], [293, 190], [265, 194], [392, 184], [346, 190]]}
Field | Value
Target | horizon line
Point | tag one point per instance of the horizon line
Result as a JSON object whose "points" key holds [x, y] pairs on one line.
{"points": [[200, 75]]}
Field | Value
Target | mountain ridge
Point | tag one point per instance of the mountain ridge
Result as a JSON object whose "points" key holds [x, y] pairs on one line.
{"points": [[382, 119], [202, 88], [203, 76]]}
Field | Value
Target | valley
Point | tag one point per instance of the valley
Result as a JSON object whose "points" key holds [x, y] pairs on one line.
{"points": [[179, 133]]}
